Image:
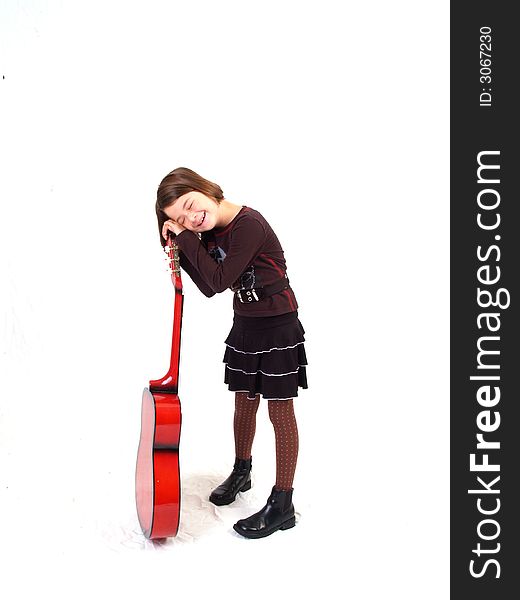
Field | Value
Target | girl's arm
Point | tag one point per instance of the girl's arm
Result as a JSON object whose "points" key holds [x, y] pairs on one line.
{"points": [[246, 241], [196, 278], [175, 228]]}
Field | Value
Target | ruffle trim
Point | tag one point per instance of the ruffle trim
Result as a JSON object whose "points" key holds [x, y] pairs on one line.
{"points": [[266, 360]]}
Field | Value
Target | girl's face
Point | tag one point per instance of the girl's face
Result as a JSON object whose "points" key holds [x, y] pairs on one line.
{"points": [[195, 211]]}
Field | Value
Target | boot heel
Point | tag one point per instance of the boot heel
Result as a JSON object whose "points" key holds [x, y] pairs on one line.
{"points": [[290, 523], [246, 486]]}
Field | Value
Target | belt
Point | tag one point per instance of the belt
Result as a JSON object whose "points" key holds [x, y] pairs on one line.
{"points": [[259, 293]]}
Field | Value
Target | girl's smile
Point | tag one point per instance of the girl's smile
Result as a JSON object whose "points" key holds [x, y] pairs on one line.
{"points": [[194, 211], [197, 212]]}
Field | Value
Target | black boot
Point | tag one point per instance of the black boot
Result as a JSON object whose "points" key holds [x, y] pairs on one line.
{"points": [[278, 513], [238, 481]]}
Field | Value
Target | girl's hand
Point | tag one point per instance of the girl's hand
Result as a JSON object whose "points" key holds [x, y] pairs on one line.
{"points": [[171, 225]]}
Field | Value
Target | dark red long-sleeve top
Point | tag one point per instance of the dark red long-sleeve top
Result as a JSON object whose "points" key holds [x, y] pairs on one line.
{"points": [[244, 254]]}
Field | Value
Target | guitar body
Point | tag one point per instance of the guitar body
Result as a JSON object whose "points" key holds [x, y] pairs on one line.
{"points": [[157, 473]]}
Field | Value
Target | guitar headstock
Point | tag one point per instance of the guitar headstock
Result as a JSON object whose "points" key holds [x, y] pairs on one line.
{"points": [[173, 259]]}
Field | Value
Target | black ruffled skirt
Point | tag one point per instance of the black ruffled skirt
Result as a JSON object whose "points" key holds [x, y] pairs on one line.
{"points": [[266, 355]]}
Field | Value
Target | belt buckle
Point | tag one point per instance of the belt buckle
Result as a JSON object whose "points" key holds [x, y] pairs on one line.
{"points": [[251, 295]]}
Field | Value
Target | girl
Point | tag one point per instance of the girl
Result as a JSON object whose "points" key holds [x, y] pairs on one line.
{"points": [[226, 245]]}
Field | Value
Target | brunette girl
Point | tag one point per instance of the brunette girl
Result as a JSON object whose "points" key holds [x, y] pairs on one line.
{"points": [[226, 245]]}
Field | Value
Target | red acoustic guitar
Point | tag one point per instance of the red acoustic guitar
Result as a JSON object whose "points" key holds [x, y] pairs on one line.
{"points": [[157, 474]]}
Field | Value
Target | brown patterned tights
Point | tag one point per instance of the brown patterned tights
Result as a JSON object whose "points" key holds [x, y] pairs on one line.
{"points": [[281, 413], [244, 423]]}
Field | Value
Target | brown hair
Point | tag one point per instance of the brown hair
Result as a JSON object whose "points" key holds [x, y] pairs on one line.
{"points": [[178, 182]]}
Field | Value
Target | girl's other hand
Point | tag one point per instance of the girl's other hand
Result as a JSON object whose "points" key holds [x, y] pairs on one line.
{"points": [[171, 225]]}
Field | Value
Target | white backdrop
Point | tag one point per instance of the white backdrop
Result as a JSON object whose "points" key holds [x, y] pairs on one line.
{"points": [[331, 119]]}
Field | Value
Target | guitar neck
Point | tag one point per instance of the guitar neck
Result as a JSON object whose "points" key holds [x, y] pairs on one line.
{"points": [[170, 382]]}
